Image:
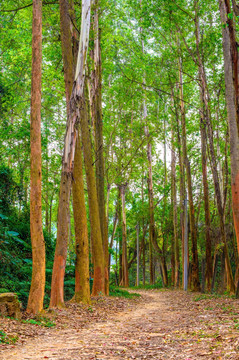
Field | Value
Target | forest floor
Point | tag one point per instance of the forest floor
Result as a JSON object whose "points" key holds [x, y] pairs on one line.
{"points": [[165, 324]]}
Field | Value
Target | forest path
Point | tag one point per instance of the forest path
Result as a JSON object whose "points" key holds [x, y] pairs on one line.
{"points": [[165, 325]]}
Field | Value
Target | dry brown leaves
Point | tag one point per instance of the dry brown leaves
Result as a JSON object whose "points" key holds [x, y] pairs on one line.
{"points": [[160, 325]]}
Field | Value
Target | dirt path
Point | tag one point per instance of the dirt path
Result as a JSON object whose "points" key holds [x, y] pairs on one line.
{"points": [[166, 325]]}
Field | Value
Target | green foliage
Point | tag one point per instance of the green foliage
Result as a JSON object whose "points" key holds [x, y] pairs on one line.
{"points": [[211, 296], [157, 285], [7, 339], [41, 321], [118, 292], [15, 250]]}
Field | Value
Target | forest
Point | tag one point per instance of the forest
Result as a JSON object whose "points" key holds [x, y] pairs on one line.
{"points": [[119, 150]]}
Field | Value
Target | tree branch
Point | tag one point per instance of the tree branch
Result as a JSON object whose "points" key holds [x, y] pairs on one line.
{"points": [[28, 5]]}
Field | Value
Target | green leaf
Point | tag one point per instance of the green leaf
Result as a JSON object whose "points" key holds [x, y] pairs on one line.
{"points": [[28, 261], [12, 233]]}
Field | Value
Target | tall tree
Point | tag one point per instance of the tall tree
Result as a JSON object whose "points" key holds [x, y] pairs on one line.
{"points": [[36, 295], [57, 287], [82, 283], [96, 101], [125, 274], [204, 112], [175, 261], [69, 38], [97, 244], [232, 111], [195, 265]]}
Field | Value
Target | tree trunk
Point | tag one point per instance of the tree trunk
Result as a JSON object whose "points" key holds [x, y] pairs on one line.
{"points": [[152, 234], [82, 281], [232, 54], [125, 275], [36, 295], [143, 239], [203, 91], [47, 193], [232, 121], [57, 285], [208, 275], [58, 273], [165, 233], [112, 238], [175, 244], [97, 244], [152, 231], [195, 264], [119, 211], [181, 186], [99, 146]]}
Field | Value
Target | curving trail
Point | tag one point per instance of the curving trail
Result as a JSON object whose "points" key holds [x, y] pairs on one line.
{"points": [[167, 325]]}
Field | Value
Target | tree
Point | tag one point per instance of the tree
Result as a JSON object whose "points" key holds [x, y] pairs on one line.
{"points": [[36, 295], [82, 281], [96, 104], [57, 288], [230, 65]]}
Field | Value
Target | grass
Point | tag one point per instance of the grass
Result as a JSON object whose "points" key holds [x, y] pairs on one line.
{"points": [[206, 297], [41, 321], [149, 287], [7, 339], [212, 296], [118, 292]]}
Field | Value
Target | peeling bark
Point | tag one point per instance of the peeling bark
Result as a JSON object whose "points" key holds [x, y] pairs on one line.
{"points": [[73, 100]]}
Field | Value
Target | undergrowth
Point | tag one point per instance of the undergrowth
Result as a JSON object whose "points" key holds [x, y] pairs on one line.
{"points": [[7, 339], [149, 286], [211, 296], [41, 321], [115, 291]]}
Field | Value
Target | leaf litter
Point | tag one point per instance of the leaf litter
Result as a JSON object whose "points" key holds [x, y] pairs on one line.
{"points": [[168, 324]]}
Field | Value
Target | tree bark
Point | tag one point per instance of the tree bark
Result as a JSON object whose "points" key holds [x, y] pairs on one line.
{"points": [[175, 261], [99, 146], [232, 121], [82, 281], [227, 19], [112, 238], [57, 284], [182, 188], [195, 264], [36, 295], [97, 244], [203, 91], [125, 275]]}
